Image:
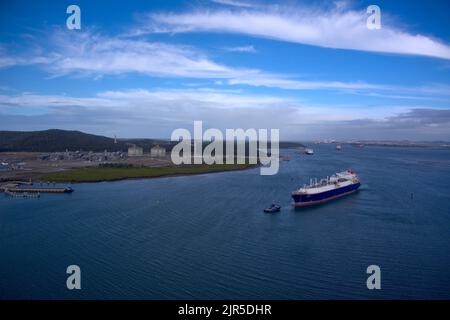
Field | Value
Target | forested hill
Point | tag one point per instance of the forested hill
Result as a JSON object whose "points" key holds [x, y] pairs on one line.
{"points": [[56, 140]]}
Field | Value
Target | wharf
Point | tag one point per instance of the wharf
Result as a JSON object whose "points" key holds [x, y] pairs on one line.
{"points": [[29, 188]]}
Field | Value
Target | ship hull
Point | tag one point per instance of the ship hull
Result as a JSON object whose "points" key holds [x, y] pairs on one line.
{"points": [[303, 200]]}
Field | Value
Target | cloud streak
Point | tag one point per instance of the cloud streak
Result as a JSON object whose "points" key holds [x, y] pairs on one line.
{"points": [[142, 98], [249, 48], [233, 3], [338, 28], [97, 54], [10, 60]]}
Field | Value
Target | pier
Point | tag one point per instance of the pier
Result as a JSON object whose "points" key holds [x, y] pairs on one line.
{"points": [[28, 188], [41, 190]]}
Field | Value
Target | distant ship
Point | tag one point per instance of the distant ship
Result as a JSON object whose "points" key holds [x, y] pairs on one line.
{"points": [[309, 151], [336, 186], [338, 147]]}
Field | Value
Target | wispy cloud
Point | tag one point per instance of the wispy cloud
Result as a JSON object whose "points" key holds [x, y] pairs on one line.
{"points": [[227, 99], [406, 97], [233, 3], [274, 81], [96, 55], [249, 48], [338, 27], [8, 59]]}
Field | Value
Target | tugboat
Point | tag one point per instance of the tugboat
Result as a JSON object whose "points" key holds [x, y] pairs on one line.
{"points": [[336, 186], [273, 208]]}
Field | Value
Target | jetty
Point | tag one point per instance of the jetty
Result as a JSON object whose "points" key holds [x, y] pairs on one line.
{"points": [[29, 188], [42, 189]]}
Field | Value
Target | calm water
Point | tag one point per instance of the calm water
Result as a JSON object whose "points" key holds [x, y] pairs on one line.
{"points": [[206, 236]]}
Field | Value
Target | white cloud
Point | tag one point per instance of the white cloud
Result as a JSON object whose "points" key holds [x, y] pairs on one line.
{"points": [[227, 99], [337, 27], [8, 59], [233, 3], [143, 113], [274, 81], [406, 97], [249, 48], [90, 53], [438, 92], [95, 55], [43, 101], [149, 101], [155, 113]]}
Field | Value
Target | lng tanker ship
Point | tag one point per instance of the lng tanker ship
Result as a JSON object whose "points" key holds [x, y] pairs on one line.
{"points": [[336, 186]]}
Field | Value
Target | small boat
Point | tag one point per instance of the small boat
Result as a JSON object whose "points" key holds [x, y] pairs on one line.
{"points": [[68, 190], [273, 208], [309, 151], [338, 147]]}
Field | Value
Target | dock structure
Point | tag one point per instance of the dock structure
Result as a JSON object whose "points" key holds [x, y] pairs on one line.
{"points": [[42, 190], [28, 188]]}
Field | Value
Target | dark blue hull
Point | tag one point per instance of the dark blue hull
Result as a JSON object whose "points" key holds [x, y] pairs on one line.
{"points": [[311, 199]]}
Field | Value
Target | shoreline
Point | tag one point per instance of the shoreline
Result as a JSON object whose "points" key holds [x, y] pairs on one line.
{"points": [[152, 173]]}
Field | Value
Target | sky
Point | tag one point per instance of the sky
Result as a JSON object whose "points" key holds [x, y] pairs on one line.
{"points": [[312, 69]]}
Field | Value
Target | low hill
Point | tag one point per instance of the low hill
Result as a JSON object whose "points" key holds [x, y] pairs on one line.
{"points": [[55, 140]]}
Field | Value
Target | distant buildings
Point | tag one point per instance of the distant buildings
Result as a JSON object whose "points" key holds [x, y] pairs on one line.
{"points": [[83, 156], [90, 156], [4, 166], [135, 151], [157, 152]]}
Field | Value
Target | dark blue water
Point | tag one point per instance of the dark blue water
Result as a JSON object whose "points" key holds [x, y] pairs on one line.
{"points": [[206, 236]]}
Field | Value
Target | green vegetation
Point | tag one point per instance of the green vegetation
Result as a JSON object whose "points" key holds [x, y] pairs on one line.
{"points": [[93, 174]]}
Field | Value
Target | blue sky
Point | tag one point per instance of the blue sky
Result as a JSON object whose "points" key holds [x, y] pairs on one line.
{"points": [[310, 68]]}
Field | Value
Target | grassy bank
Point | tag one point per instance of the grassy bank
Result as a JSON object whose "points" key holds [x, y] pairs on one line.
{"points": [[94, 174]]}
